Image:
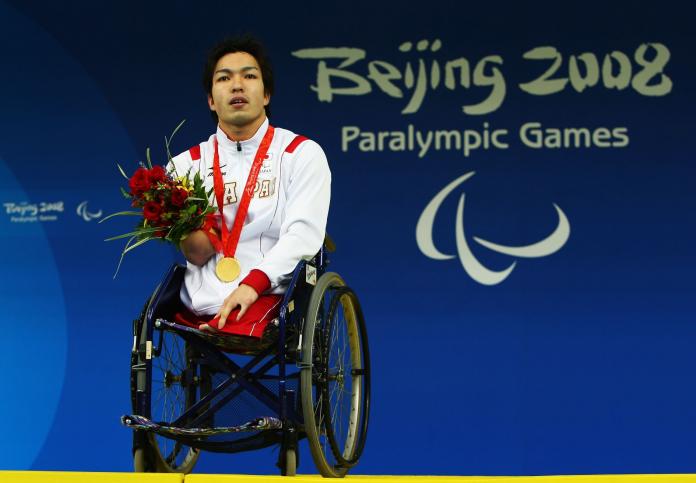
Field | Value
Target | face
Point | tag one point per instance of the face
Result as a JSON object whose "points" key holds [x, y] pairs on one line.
{"points": [[238, 96]]}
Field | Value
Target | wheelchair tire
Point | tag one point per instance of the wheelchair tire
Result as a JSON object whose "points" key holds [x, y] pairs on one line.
{"points": [[169, 397], [335, 376]]}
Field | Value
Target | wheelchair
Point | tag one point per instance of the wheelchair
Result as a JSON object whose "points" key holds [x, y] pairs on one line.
{"points": [[308, 376]]}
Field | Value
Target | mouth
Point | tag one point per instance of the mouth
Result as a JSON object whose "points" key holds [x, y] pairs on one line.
{"points": [[238, 102]]}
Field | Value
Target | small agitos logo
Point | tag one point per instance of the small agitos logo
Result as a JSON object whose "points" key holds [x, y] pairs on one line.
{"points": [[474, 268], [85, 214]]}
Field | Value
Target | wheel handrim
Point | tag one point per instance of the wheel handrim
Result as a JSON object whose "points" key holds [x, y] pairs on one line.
{"points": [[344, 396]]}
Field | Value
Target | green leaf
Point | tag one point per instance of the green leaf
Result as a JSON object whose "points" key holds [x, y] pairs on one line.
{"points": [[128, 248], [125, 193], [168, 143], [122, 213], [176, 129], [147, 156], [137, 244], [123, 173], [120, 260], [136, 233]]}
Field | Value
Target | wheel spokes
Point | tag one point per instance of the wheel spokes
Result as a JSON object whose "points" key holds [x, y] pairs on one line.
{"points": [[171, 395]]}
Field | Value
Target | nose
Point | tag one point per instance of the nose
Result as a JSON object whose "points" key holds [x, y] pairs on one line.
{"points": [[236, 83]]}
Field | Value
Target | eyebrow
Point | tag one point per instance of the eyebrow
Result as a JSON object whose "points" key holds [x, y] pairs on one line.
{"points": [[230, 71]]}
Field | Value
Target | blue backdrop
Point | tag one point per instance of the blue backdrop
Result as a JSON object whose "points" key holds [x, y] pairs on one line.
{"points": [[513, 201]]}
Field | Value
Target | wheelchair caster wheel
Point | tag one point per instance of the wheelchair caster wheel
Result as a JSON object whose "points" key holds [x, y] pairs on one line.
{"points": [[139, 461], [290, 463]]}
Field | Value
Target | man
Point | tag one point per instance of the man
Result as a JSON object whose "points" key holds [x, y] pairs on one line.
{"points": [[286, 218]]}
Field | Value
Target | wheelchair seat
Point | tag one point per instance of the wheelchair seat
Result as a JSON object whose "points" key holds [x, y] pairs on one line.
{"points": [[169, 309], [308, 375], [234, 341]]}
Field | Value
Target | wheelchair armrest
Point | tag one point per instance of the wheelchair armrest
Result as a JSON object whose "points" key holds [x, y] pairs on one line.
{"points": [[297, 276], [165, 300]]}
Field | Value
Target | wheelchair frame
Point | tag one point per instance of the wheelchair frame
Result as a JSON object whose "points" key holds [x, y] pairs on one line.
{"points": [[307, 327]]}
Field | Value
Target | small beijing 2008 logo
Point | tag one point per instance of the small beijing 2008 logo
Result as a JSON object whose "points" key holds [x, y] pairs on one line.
{"points": [[474, 268], [26, 212]]}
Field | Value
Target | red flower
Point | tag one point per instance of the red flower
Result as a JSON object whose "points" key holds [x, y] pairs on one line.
{"points": [[157, 174], [152, 211], [139, 182], [179, 197]]}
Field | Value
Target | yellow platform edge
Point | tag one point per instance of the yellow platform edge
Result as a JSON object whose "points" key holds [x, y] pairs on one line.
{"points": [[97, 477], [87, 477]]}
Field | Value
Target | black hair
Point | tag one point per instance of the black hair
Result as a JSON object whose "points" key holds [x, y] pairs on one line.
{"points": [[251, 46]]}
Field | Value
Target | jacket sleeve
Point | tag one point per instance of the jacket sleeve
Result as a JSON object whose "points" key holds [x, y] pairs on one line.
{"points": [[303, 225]]}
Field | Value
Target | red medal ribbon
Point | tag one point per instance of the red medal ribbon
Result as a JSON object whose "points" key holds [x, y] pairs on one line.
{"points": [[230, 238]]}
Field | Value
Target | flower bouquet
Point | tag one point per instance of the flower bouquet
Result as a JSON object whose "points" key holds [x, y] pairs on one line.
{"points": [[170, 206]]}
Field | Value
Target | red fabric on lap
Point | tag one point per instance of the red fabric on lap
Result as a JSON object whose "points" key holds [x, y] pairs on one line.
{"points": [[255, 320]]}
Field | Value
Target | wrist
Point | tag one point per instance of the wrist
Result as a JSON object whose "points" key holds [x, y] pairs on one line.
{"points": [[257, 280]]}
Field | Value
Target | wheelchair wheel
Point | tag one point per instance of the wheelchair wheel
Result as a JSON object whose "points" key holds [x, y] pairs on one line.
{"points": [[335, 376], [176, 383]]}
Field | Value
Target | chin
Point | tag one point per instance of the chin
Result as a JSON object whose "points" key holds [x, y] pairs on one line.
{"points": [[233, 123]]}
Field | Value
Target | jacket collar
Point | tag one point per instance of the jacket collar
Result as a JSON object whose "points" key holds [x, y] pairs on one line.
{"points": [[248, 146]]}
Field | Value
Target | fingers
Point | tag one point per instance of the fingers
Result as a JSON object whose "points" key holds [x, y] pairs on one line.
{"points": [[243, 297], [242, 310], [223, 318], [222, 314], [229, 305]]}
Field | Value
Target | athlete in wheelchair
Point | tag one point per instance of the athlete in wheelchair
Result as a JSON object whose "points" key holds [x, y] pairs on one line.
{"points": [[285, 356], [308, 376]]}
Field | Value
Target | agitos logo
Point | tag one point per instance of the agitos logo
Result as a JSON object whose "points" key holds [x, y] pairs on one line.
{"points": [[85, 214], [474, 268]]}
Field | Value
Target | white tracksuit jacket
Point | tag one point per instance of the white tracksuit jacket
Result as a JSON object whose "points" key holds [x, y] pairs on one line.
{"points": [[287, 215]]}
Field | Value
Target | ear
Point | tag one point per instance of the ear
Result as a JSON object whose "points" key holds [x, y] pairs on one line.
{"points": [[266, 98], [211, 103]]}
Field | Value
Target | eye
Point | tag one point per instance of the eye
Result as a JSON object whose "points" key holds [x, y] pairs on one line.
{"points": [[222, 78], [251, 76]]}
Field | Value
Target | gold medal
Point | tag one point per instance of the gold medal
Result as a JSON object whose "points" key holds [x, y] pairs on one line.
{"points": [[228, 269]]}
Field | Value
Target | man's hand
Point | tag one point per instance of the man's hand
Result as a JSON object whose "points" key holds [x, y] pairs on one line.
{"points": [[242, 297]]}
